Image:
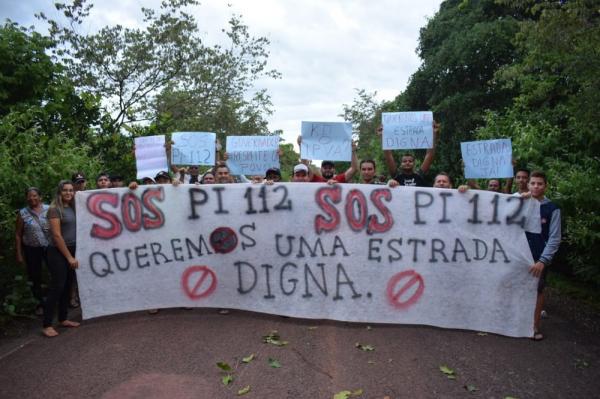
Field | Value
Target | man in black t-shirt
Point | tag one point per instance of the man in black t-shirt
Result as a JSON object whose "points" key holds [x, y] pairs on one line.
{"points": [[407, 176]]}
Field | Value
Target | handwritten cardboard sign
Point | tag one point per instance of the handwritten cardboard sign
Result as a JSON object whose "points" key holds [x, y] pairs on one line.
{"points": [[150, 156], [407, 130], [252, 155], [487, 158], [330, 141], [193, 148], [344, 252]]}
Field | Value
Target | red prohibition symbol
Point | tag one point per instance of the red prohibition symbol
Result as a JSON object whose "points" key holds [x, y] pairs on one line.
{"points": [[402, 282], [192, 282]]}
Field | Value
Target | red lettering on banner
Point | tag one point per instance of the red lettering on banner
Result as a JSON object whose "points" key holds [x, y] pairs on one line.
{"points": [[130, 203], [131, 212], [324, 197], [356, 196], [388, 221], [159, 218], [94, 206]]}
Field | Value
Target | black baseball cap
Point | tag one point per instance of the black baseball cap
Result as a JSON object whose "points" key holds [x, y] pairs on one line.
{"points": [[78, 177]]}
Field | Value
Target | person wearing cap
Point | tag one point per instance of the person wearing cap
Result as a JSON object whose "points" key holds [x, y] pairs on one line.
{"points": [[162, 177], [328, 171], [301, 174], [79, 181], [273, 174], [103, 180], [116, 181]]}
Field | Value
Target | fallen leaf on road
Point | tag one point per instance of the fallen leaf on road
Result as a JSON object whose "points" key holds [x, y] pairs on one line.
{"points": [[312, 328], [471, 388], [510, 397], [369, 328], [274, 363], [371, 362], [481, 334], [244, 390], [274, 339], [249, 358], [227, 379], [581, 364], [448, 371], [342, 395], [224, 366], [366, 348]]}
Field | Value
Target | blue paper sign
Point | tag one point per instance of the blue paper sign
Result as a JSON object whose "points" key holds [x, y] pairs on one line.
{"points": [[407, 130], [252, 155], [487, 159], [331, 141], [193, 148]]}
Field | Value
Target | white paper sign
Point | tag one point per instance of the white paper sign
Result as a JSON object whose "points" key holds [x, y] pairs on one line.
{"points": [[252, 155], [193, 148], [407, 130], [150, 156], [487, 159], [331, 141], [344, 252]]}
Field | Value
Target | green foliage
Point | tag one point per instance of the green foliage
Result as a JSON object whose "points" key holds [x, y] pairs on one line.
{"points": [[553, 119]]}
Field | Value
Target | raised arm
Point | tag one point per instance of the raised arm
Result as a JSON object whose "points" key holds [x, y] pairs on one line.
{"points": [[430, 155], [387, 155], [349, 174]]}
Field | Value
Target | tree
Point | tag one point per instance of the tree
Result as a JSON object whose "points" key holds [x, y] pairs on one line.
{"points": [[553, 120]]}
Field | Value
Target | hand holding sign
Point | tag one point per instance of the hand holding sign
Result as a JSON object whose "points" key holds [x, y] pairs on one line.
{"points": [[407, 130], [193, 148], [150, 156], [487, 159]]}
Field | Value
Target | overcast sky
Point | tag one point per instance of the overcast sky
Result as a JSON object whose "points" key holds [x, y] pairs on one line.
{"points": [[324, 49]]}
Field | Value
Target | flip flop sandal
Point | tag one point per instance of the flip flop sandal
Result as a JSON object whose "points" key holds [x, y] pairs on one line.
{"points": [[538, 336]]}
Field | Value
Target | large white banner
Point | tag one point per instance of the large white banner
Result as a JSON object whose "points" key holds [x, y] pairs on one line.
{"points": [[345, 252]]}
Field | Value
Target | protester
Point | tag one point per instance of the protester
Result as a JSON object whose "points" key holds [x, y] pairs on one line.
{"points": [[31, 241], [223, 175], [103, 180], [208, 178], [368, 172], [522, 180], [494, 185], [543, 245], [61, 257], [116, 181], [273, 174], [301, 174], [442, 180], [79, 181], [407, 175], [162, 177]]}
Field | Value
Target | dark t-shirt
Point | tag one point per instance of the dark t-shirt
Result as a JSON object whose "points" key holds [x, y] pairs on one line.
{"points": [[412, 179], [68, 228]]}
